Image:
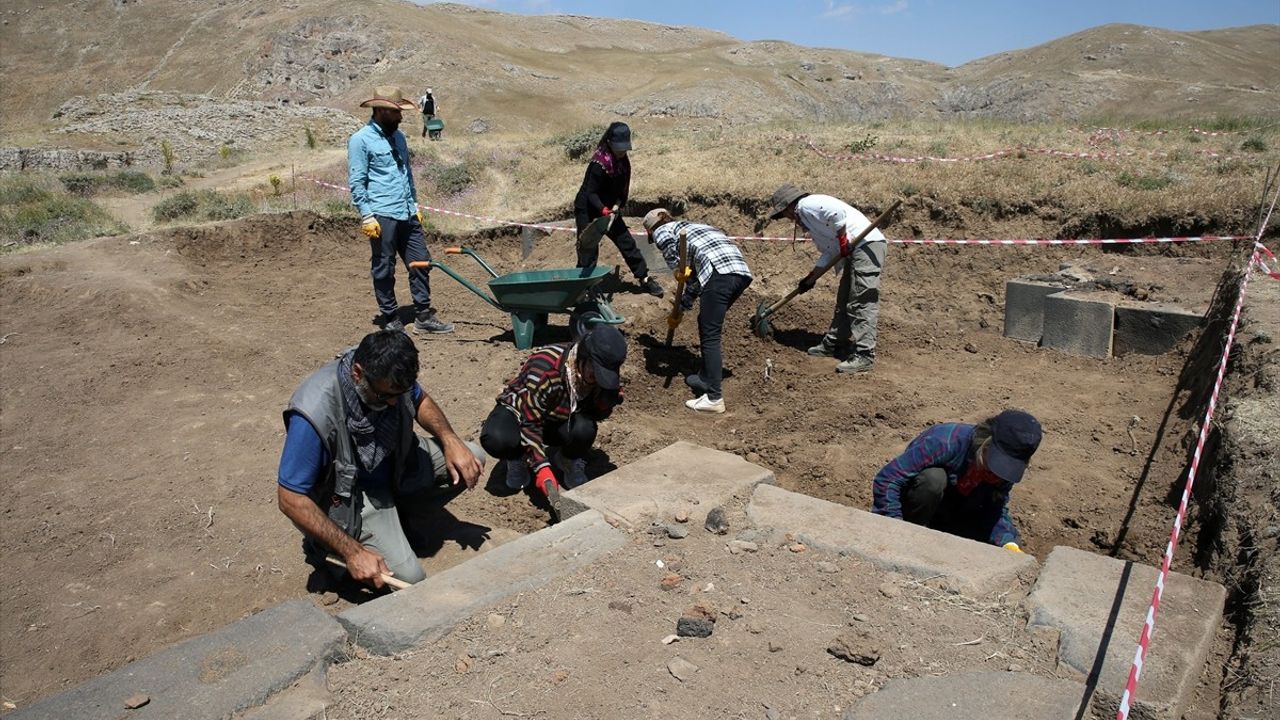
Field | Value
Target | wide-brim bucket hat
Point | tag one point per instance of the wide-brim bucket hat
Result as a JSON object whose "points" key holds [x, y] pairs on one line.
{"points": [[782, 199], [389, 96]]}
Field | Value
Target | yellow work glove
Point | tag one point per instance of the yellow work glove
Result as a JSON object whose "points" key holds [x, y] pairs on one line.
{"points": [[1013, 547], [673, 320], [421, 219], [370, 227], [683, 275]]}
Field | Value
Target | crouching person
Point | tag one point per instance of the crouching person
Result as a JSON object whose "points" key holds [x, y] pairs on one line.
{"points": [[554, 404], [350, 453], [957, 477]]}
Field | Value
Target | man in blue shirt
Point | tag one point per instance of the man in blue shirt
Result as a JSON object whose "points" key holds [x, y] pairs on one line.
{"points": [[382, 189], [350, 452], [956, 477]]}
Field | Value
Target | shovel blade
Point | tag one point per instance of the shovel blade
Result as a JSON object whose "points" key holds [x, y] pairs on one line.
{"points": [[760, 322]]}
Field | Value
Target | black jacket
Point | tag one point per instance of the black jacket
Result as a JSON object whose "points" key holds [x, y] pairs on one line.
{"points": [[600, 190]]}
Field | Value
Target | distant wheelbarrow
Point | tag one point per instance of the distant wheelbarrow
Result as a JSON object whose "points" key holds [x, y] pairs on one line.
{"points": [[532, 295], [435, 126]]}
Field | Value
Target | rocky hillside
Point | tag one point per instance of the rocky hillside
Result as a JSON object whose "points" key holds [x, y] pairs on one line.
{"points": [[520, 73]]}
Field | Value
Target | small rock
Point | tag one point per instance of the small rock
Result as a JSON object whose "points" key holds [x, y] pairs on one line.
{"points": [[1015, 667], [889, 590], [670, 581], [970, 348], [859, 617], [680, 668], [771, 714], [716, 522], [1271, 531], [828, 567], [464, 665], [496, 621], [754, 628], [855, 649], [798, 547], [737, 547], [136, 701], [620, 606], [328, 598], [682, 516], [753, 458], [677, 532], [774, 647], [559, 676], [659, 543], [694, 627], [670, 639], [744, 600]]}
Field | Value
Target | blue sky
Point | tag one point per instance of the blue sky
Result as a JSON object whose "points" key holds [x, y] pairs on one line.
{"points": [[950, 32]]}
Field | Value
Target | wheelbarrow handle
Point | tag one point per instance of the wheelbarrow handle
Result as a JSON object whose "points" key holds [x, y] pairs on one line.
{"points": [[420, 265]]}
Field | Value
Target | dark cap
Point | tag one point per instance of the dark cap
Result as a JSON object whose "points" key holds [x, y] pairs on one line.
{"points": [[607, 349], [1015, 435], [618, 136], [782, 199]]}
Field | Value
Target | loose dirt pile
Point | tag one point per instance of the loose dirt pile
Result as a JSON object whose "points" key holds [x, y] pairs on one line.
{"points": [[145, 378]]}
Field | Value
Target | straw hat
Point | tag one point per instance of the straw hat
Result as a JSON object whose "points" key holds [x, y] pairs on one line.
{"points": [[389, 96]]}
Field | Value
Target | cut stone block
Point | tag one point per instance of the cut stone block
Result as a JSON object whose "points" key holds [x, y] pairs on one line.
{"points": [[1152, 328], [211, 676], [1088, 597], [430, 609], [1079, 324], [972, 568], [677, 477], [1024, 308], [973, 696]]}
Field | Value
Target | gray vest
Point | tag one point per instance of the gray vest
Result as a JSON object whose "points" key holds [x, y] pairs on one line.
{"points": [[319, 400]]}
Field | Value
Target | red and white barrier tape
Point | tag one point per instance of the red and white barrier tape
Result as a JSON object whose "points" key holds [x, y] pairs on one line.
{"points": [[926, 241], [999, 154], [1149, 624], [1192, 130]]}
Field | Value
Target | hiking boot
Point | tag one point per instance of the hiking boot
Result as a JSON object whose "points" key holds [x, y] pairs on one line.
{"points": [[427, 322], [856, 364], [393, 323], [575, 472], [517, 474], [696, 383], [652, 287], [705, 404], [825, 349]]}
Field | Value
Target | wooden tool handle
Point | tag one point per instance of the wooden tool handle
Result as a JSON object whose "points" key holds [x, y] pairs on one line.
{"points": [[420, 265], [396, 583]]}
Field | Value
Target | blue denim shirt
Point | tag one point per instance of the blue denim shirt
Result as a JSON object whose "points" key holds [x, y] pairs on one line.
{"points": [[379, 175]]}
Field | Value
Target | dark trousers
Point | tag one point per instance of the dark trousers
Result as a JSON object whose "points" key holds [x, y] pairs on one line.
{"points": [[718, 296], [930, 501], [403, 238], [620, 236], [500, 435]]}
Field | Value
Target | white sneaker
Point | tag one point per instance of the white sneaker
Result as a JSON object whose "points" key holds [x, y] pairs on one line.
{"points": [[705, 404]]}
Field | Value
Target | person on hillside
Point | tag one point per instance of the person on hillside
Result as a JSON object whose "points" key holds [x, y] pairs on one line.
{"points": [[832, 224], [605, 185], [956, 477], [382, 190], [716, 272], [556, 401], [351, 453], [427, 106]]}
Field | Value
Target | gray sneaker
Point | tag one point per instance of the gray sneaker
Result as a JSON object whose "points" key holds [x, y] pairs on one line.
{"points": [[826, 349], [856, 364], [428, 323], [393, 324]]}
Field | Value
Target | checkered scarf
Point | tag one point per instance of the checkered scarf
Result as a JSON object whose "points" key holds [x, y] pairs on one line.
{"points": [[375, 433]]}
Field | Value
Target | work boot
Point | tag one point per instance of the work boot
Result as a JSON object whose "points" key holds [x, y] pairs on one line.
{"points": [[427, 322], [825, 349], [517, 474], [705, 404], [856, 364], [696, 383], [393, 323], [575, 472], [652, 287]]}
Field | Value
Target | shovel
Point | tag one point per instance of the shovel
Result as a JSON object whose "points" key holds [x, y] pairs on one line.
{"points": [[679, 294], [760, 321], [395, 583], [597, 229]]}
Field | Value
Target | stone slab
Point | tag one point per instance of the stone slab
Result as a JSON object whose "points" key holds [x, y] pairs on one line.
{"points": [[1152, 328], [1024, 308], [973, 696], [211, 676], [430, 609], [971, 568], [1087, 597], [1078, 324], [677, 477]]}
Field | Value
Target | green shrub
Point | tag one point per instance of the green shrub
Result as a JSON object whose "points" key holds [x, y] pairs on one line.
{"points": [[937, 148], [1254, 144], [81, 184], [170, 181], [89, 184], [580, 143], [311, 139], [166, 151], [858, 147], [132, 181], [1144, 182], [453, 179], [202, 205], [32, 211]]}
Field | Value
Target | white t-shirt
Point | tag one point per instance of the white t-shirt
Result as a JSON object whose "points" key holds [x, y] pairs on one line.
{"points": [[824, 217]]}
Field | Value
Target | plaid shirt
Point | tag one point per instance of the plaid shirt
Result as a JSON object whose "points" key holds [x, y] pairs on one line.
{"points": [[709, 251], [947, 446]]}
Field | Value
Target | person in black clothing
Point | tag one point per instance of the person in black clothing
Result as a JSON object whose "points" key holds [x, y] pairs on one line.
{"points": [[427, 104], [607, 183]]}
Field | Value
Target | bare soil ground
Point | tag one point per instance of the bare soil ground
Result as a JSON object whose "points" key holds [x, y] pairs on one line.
{"points": [[144, 377]]}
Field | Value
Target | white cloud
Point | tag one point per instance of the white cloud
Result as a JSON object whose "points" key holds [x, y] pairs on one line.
{"points": [[839, 10], [898, 7]]}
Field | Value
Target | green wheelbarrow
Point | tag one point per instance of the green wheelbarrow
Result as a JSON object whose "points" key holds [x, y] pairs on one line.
{"points": [[532, 295]]}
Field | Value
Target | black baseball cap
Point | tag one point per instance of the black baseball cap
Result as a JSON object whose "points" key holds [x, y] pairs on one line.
{"points": [[607, 349], [1015, 435], [618, 136]]}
